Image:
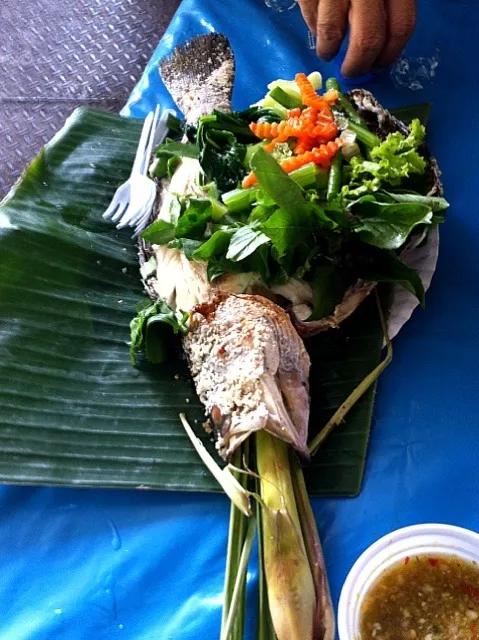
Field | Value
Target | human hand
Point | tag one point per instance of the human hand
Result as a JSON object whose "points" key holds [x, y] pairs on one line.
{"points": [[379, 30]]}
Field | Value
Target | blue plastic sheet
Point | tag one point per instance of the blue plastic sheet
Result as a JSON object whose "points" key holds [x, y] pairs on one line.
{"points": [[98, 565]]}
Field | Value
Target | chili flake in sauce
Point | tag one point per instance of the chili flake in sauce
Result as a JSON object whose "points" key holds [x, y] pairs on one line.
{"points": [[423, 598]]}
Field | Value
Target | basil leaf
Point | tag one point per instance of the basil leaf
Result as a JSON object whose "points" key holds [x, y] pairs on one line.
{"points": [[258, 262], [284, 232], [276, 184], [192, 224], [434, 203], [244, 242], [158, 333], [160, 232], [214, 246], [178, 149], [218, 267], [387, 225], [187, 246]]}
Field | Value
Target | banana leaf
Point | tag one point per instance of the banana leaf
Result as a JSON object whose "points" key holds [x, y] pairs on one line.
{"points": [[73, 410]]}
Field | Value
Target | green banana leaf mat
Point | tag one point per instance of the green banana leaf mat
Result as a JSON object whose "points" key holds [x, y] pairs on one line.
{"points": [[73, 410]]}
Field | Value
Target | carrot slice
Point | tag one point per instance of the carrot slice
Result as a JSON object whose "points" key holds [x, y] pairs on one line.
{"points": [[321, 155]]}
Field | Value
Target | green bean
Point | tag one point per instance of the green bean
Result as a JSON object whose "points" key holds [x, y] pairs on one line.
{"points": [[335, 177], [344, 104], [364, 135], [332, 83]]}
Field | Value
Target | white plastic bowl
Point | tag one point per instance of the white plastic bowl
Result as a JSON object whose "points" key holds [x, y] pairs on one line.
{"points": [[430, 539]]}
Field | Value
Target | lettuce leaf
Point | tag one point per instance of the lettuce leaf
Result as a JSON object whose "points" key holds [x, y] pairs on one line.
{"points": [[394, 159]]}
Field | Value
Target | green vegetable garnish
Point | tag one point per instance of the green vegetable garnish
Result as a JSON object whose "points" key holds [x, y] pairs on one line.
{"points": [[149, 330]]}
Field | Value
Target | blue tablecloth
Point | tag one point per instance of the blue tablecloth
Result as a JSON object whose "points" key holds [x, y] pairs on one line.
{"points": [[95, 565]]}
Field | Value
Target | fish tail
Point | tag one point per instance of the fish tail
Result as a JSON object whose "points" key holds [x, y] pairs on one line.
{"points": [[199, 74]]}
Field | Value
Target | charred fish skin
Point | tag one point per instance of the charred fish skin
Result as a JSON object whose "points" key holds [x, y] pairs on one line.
{"points": [[199, 75], [250, 370]]}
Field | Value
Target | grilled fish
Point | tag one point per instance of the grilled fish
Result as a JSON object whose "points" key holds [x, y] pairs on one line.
{"points": [[244, 345], [237, 318], [249, 364]]}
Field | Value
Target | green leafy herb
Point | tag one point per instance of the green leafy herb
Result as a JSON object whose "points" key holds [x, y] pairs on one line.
{"points": [[244, 242], [186, 245], [276, 184], [178, 149], [221, 156], [160, 232], [147, 330], [216, 245], [395, 158], [169, 155], [328, 290], [389, 268], [387, 225], [258, 262], [259, 114], [165, 166], [436, 204], [219, 266], [192, 223], [221, 138], [284, 232]]}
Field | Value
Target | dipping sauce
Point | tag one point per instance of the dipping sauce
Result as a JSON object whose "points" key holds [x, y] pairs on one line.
{"points": [[423, 598]]}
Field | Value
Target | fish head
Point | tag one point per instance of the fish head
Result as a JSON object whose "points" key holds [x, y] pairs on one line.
{"points": [[250, 369]]}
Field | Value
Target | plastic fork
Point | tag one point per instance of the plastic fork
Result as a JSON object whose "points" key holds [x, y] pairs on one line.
{"points": [[133, 200]]}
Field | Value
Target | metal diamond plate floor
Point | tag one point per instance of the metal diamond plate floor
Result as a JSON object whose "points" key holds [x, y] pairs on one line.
{"points": [[56, 55]]}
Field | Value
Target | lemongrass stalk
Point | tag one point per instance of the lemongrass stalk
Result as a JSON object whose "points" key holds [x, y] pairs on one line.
{"points": [[236, 538], [357, 393], [265, 629], [230, 485], [291, 592], [324, 622], [240, 582]]}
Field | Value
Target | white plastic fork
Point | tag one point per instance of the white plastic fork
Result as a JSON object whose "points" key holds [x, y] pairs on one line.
{"points": [[132, 203]]}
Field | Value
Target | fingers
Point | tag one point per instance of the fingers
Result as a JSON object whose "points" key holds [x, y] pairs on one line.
{"points": [[367, 19], [331, 25], [401, 19], [379, 30], [309, 10]]}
